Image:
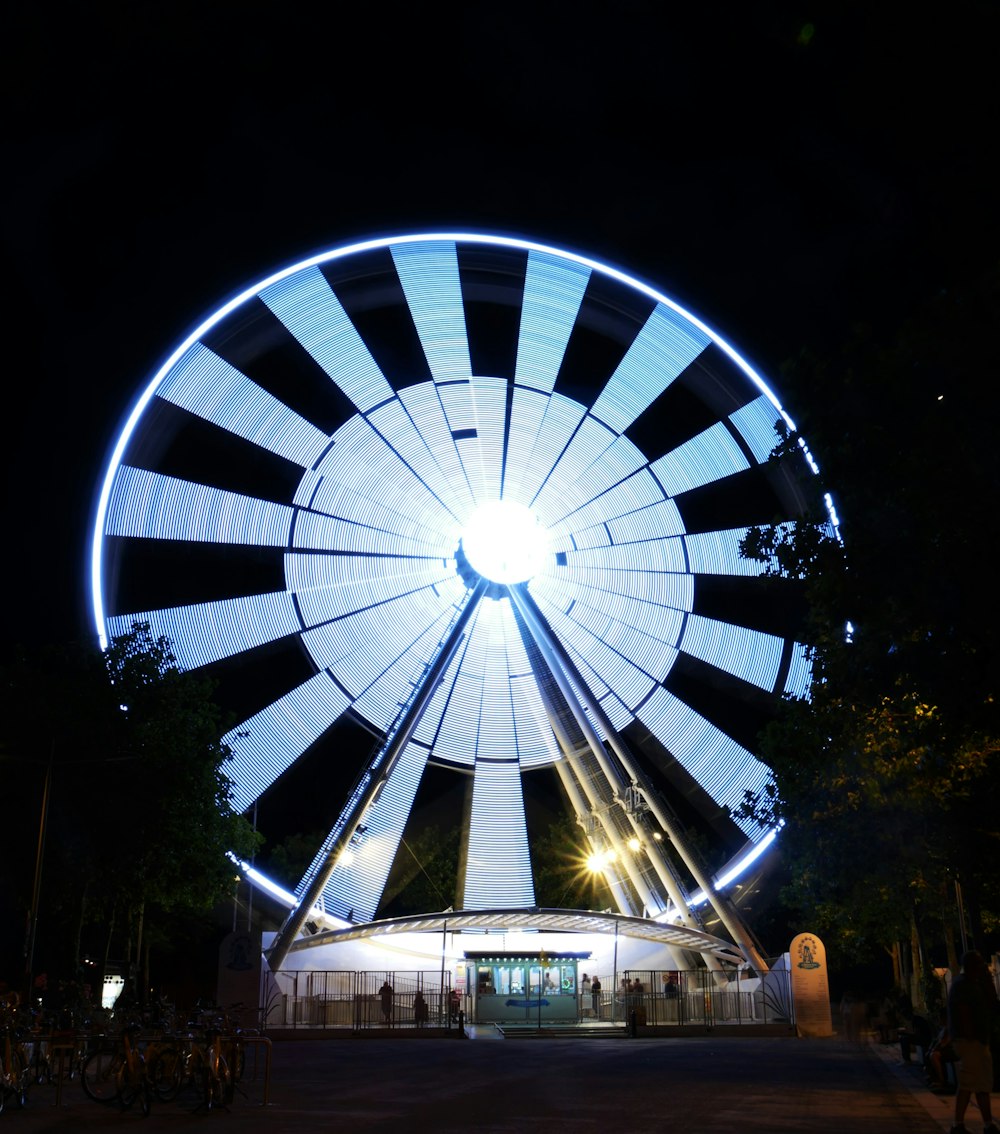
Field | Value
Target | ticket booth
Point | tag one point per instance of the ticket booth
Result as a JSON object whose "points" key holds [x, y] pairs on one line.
{"points": [[525, 988]]}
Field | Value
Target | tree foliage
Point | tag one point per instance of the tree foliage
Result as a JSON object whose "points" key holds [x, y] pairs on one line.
{"points": [[562, 878], [886, 778], [140, 815]]}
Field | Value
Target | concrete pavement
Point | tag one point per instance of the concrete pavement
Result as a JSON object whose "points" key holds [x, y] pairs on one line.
{"points": [[503, 1086]]}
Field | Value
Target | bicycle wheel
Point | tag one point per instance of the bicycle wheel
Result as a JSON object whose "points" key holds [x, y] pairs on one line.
{"points": [[17, 1084], [237, 1060], [39, 1068], [217, 1089], [100, 1075], [166, 1073], [15, 1080]]}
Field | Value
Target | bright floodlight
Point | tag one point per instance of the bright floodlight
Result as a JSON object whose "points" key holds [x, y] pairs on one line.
{"points": [[504, 542]]}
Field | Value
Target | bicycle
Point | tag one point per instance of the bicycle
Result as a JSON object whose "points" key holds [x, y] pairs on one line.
{"points": [[118, 1074], [212, 1063], [14, 1068]]}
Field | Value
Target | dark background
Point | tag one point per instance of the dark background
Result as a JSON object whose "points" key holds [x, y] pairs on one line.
{"points": [[783, 170]]}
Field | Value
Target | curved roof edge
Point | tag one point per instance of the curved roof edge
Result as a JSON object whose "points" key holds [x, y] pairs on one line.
{"points": [[542, 920]]}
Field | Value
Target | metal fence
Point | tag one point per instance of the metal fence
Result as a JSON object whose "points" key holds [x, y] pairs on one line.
{"points": [[357, 1000], [700, 996], [418, 999]]}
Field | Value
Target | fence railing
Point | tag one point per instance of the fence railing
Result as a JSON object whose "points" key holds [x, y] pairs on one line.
{"points": [[659, 997], [357, 1000], [417, 999]]}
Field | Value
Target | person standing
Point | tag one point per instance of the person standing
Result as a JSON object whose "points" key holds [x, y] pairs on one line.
{"points": [[595, 995], [385, 992], [972, 1005], [584, 993], [420, 1012]]}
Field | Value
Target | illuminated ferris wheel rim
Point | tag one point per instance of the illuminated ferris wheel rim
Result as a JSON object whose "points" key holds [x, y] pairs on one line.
{"points": [[738, 442], [342, 252]]}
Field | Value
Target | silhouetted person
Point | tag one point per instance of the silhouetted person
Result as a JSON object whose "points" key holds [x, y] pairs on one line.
{"points": [[385, 992], [972, 1005]]}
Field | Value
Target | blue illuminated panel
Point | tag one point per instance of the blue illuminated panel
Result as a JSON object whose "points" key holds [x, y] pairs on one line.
{"points": [[724, 768], [269, 742], [356, 885], [667, 344], [310, 310], [429, 275], [708, 457], [748, 654], [553, 292], [498, 864], [757, 421], [147, 505], [208, 386], [206, 632]]}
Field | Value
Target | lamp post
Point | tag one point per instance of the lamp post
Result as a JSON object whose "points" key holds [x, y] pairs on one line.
{"points": [[29, 956], [543, 960]]}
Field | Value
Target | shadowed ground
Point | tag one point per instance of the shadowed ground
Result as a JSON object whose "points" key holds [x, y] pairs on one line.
{"points": [[702, 1083]]}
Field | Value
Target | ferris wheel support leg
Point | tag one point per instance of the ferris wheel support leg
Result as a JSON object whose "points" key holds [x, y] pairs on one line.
{"points": [[612, 775], [582, 805], [373, 781], [563, 669]]}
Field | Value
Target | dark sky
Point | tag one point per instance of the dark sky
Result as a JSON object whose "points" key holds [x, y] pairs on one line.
{"points": [[782, 169]]}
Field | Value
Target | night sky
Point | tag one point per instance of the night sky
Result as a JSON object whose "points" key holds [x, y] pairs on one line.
{"points": [[783, 170]]}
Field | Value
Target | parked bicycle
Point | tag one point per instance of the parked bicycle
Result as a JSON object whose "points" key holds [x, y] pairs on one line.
{"points": [[13, 1059], [118, 1073], [210, 1058]]}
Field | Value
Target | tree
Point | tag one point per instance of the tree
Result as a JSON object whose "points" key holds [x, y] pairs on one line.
{"points": [[172, 786], [885, 779], [425, 874], [562, 877], [141, 816]]}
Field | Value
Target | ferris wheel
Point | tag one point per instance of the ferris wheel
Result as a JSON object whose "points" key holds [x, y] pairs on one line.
{"points": [[484, 498]]}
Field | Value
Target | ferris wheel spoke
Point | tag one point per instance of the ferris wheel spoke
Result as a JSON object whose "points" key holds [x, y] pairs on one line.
{"points": [[149, 505], [757, 424], [356, 884], [711, 456], [430, 278], [667, 344], [558, 424], [751, 655], [207, 632], [717, 763], [590, 651], [206, 385], [478, 420], [415, 425], [307, 306], [633, 509], [498, 871], [268, 743], [332, 587], [553, 292], [718, 553], [594, 460]]}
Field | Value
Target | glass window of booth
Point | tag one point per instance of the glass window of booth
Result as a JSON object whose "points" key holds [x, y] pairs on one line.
{"points": [[513, 977]]}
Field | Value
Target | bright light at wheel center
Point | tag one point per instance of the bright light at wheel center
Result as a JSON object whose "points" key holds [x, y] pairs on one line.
{"points": [[504, 542]]}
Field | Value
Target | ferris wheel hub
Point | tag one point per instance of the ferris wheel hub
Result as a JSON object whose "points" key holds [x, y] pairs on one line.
{"points": [[504, 542]]}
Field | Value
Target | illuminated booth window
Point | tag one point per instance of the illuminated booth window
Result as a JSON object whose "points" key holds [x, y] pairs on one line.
{"points": [[524, 988]]}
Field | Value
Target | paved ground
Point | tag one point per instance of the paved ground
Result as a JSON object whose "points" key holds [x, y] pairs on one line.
{"points": [[770, 1085]]}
